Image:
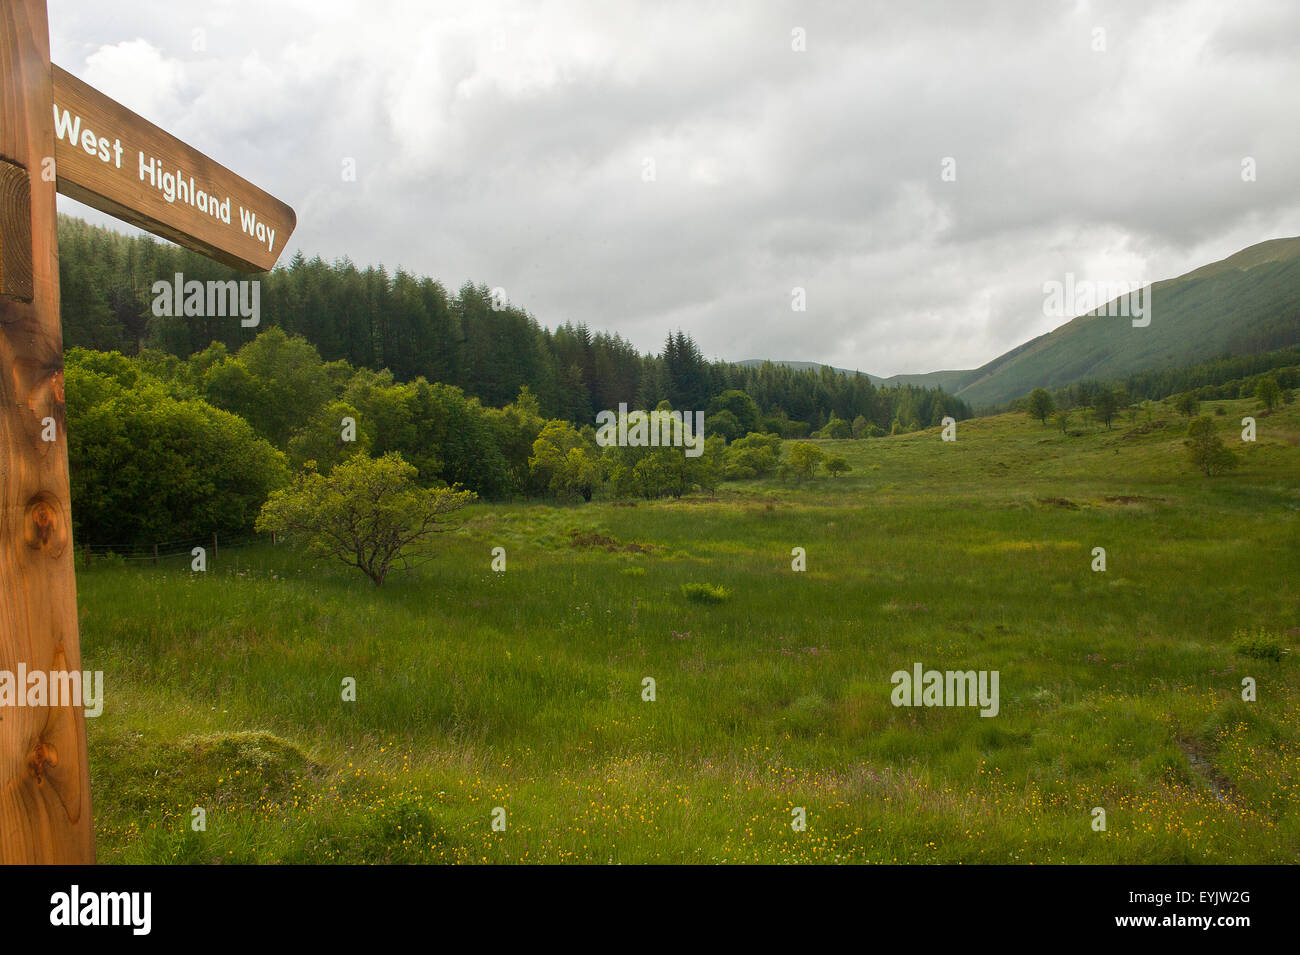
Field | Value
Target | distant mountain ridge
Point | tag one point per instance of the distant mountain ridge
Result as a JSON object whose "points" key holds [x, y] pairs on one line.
{"points": [[1245, 304]]}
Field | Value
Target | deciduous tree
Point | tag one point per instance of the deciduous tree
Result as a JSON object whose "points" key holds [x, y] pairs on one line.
{"points": [[368, 513]]}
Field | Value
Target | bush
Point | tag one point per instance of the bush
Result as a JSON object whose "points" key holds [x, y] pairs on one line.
{"points": [[803, 460], [752, 456], [705, 593], [149, 468], [835, 428], [724, 424], [1259, 645]]}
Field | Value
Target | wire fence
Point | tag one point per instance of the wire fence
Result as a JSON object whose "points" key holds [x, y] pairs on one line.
{"points": [[212, 544]]}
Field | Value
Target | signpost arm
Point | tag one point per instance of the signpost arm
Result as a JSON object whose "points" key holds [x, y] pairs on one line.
{"points": [[44, 780]]}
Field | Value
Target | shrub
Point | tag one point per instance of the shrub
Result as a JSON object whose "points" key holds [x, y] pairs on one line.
{"points": [[147, 467], [1259, 645], [835, 428], [803, 460], [705, 593], [752, 456]]}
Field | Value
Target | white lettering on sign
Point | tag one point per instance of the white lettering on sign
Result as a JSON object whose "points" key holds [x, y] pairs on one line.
{"points": [[248, 222], [174, 185], [68, 126]]}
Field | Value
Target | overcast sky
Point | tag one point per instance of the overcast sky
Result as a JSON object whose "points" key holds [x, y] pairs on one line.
{"points": [[509, 142]]}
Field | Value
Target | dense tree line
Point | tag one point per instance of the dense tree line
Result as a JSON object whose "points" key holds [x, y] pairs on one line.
{"points": [[1225, 378], [164, 448], [414, 328]]}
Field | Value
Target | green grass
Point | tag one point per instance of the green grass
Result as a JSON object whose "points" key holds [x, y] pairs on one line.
{"points": [[523, 689]]}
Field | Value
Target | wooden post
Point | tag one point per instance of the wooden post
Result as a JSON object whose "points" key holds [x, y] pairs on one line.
{"points": [[155, 555], [44, 778]]}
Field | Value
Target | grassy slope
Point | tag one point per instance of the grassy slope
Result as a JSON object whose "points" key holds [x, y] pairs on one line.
{"points": [[1243, 304], [523, 689]]}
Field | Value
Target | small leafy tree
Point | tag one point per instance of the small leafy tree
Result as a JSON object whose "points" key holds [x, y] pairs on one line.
{"points": [[741, 407], [752, 456], [1107, 403], [803, 460], [836, 465], [322, 439], [1268, 393], [860, 427], [580, 474], [1187, 404], [565, 462], [367, 512], [835, 428], [1206, 449], [1063, 420], [1040, 404], [709, 468], [723, 423]]}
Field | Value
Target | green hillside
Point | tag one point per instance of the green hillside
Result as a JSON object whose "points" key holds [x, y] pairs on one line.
{"points": [[1244, 304]]}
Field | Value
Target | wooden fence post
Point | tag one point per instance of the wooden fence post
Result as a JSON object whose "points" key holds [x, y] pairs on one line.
{"points": [[44, 776]]}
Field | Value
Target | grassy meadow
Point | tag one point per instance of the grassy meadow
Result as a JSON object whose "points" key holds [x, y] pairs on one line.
{"points": [[523, 689]]}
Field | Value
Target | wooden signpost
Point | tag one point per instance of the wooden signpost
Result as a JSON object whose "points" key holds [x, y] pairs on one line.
{"points": [[58, 134]]}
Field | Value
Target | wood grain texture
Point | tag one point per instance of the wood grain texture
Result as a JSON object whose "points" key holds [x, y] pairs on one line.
{"points": [[121, 192], [15, 233], [44, 779]]}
